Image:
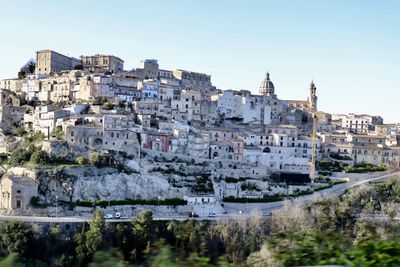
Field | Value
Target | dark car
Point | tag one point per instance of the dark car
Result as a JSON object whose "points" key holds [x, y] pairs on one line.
{"points": [[193, 215]]}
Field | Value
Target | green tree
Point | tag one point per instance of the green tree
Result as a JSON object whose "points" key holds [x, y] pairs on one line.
{"points": [[95, 159], [87, 243], [20, 131], [143, 228], [81, 160], [107, 259], [374, 253], [98, 160], [40, 157], [165, 258], [14, 237], [19, 157], [107, 106], [10, 261]]}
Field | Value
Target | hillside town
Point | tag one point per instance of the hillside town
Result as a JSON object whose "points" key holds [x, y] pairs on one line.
{"points": [[80, 132]]}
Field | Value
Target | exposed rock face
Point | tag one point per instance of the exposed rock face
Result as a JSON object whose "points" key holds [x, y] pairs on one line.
{"points": [[90, 183], [123, 186]]}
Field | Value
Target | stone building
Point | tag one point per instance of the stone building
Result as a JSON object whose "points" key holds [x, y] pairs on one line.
{"points": [[309, 105], [148, 69], [14, 85], [101, 63], [157, 141], [359, 124], [48, 61], [104, 132], [16, 192]]}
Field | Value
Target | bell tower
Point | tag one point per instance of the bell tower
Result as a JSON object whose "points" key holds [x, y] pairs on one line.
{"points": [[313, 97]]}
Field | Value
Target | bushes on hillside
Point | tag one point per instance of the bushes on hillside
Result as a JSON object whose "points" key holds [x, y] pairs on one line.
{"points": [[99, 160], [19, 157], [366, 168], [40, 157], [82, 161], [104, 203], [339, 156]]}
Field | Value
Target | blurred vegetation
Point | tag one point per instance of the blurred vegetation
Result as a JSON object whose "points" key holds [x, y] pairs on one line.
{"points": [[359, 229]]}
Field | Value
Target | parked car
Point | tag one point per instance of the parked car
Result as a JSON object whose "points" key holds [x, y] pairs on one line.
{"points": [[117, 215], [212, 214], [193, 215], [108, 216]]}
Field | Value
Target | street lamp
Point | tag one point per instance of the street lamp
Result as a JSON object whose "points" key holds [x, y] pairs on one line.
{"points": [[71, 195], [56, 206], [109, 202], [158, 200]]}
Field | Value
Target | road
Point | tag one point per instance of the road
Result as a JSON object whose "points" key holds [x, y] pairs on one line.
{"points": [[335, 191], [234, 210]]}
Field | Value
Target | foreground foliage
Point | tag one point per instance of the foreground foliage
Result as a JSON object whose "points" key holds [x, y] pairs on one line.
{"points": [[359, 229]]}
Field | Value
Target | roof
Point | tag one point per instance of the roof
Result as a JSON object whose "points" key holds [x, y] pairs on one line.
{"points": [[252, 148], [20, 180], [368, 136], [266, 86]]}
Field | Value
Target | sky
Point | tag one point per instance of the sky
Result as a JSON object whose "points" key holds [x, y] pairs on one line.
{"points": [[351, 49]]}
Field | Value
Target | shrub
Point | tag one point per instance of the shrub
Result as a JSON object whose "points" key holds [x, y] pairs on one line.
{"points": [[3, 157], [19, 157], [249, 186], [104, 203], [231, 180], [35, 201], [107, 106], [331, 166], [366, 167], [98, 160], [82, 161], [40, 157], [339, 156]]}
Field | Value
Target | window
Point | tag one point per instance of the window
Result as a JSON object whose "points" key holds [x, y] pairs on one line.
{"points": [[18, 191], [18, 204]]}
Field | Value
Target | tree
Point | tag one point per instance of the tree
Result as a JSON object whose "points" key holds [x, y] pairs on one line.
{"points": [[10, 261], [98, 160], [40, 157], [95, 159], [142, 228], [14, 237], [107, 259], [19, 157], [81, 160], [107, 106], [20, 131], [165, 258], [87, 243], [373, 253]]}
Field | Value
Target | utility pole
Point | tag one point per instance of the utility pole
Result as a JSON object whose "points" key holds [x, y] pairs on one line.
{"points": [[56, 206], [313, 108], [314, 148]]}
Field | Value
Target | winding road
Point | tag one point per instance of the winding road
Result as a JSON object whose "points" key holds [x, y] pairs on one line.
{"points": [[234, 210]]}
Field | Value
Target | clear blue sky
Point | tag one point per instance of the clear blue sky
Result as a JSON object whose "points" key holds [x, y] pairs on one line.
{"points": [[350, 48]]}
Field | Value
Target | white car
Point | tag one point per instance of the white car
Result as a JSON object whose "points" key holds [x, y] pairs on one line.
{"points": [[108, 216], [117, 215]]}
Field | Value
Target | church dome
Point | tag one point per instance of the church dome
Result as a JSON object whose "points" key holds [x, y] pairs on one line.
{"points": [[266, 86]]}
